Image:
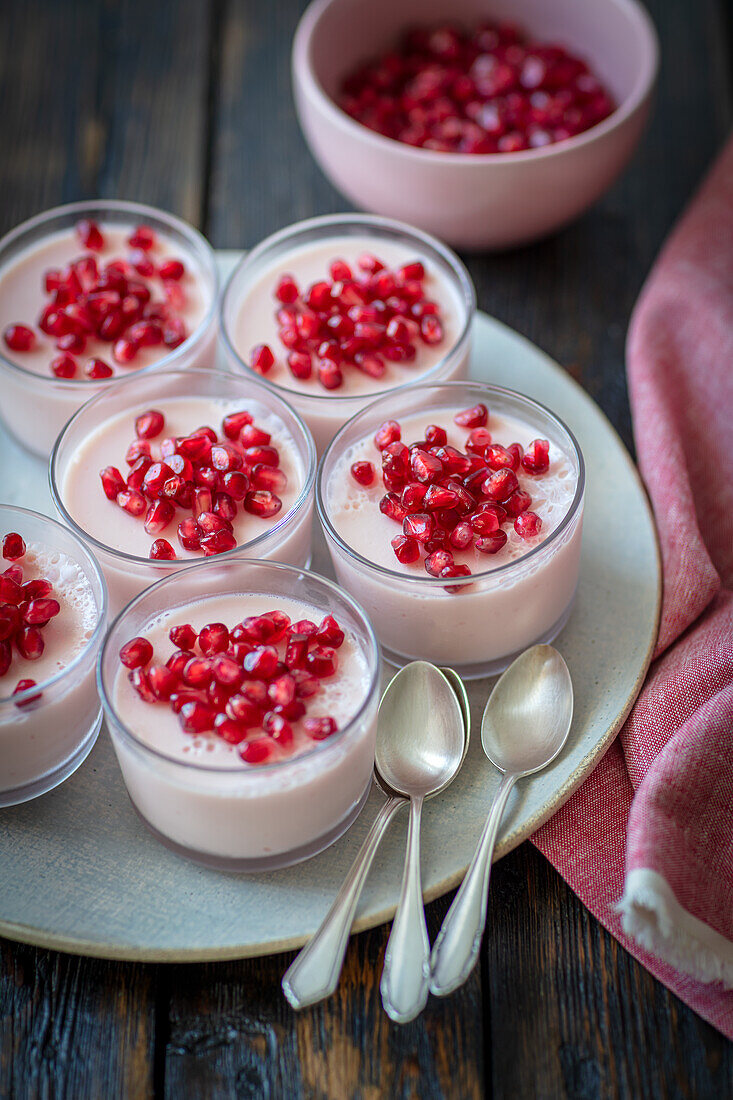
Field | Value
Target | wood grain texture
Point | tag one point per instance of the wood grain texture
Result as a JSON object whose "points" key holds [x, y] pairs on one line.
{"points": [[188, 104]]}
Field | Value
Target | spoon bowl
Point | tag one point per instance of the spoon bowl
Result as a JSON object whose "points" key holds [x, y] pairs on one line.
{"points": [[528, 714]]}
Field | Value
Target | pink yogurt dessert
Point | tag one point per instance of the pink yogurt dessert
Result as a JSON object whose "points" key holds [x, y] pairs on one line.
{"points": [[134, 476], [454, 514], [242, 700], [334, 311], [92, 291], [52, 616]]}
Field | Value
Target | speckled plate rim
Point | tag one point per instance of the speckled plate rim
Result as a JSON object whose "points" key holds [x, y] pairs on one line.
{"points": [[133, 953]]}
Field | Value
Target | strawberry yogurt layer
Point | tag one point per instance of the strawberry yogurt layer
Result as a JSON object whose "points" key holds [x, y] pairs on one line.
{"points": [[49, 708], [458, 529], [197, 476], [90, 294], [244, 723], [338, 314]]}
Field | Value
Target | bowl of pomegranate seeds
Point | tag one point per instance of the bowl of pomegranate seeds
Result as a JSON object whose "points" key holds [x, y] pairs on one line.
{"points": [[242, 697], [91, 292], [169, 467], [53, 610], [453, 513], [333, 311], [487, 124]]}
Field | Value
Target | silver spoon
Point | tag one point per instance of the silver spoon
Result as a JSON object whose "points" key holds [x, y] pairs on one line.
{"points": [[420, 757], [314, 973], [525, 725]]}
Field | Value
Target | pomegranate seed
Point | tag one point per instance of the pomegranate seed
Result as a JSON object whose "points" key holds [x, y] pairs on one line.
{"points": [[296, 651], [419, 526], [436, 562], [10, 590], [163, 682], [322, 661], [500, 485], [320, 728], [183, 636], [431, 330], [478, 442], [174, 332], [476, 417], [64, 366], [261, 358], [197, 718], [413, 497], [517, 453], [518, 502], [149, 424], [97, 368], [136, 475], [189, 535], [286, 290], [235, 483], [363, 473], [255, 692], [13, 546], [155, 478], [262, 503], [492, 543], [439, 497], [233, 423], [300, 364], [132, 501], [461, 536], [307, 685], [262, 662], [197, 672], [225, 458], [19, 338], [142, 237], [214, 638], [305, 626], [329, 374], [252, 436], [124, 351], [267, 456], [139, 680], [258, 751], [10, 622], [536, 458], [136, 653], [218, 543], [484, 522], [369, 263], [390, 432], [23, 686], [40, 612], [37, 589], [227, 671], [391, 506], [527, 525], [435, 436], [138, 449], [330, 633], [224, 507], [281, 690], [268, 477], [90, 235], [231, 732], [414, 270], [171, 269], [425, 466], [162, 550], [452, 571]]}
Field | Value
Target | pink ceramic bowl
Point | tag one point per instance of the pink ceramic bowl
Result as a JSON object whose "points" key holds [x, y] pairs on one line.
{"points": [[474, 201]]}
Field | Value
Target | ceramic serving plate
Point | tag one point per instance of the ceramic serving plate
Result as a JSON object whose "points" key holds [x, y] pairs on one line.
{"points": [[80, 873]]}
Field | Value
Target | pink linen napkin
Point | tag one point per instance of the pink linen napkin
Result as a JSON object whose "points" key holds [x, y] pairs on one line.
{"points": [[647, 842]]}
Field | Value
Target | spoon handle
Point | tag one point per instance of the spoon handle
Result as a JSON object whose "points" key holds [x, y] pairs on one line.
{"points": [[314, 973], [457, 946], [406, 972]]}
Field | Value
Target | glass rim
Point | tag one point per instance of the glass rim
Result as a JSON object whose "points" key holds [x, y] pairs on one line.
{"points": [[517, 564], [99, 628], [195, 239], [178, 564], [236, 770], [327, 222]]}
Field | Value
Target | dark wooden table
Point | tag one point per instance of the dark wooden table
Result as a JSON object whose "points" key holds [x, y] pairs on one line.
{"points": [[188, 106]]}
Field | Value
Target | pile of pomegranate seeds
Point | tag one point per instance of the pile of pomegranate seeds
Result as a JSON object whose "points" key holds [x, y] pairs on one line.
{"points": [[491, 90], [353, 319], [129, 303], [246, 685], [25, 608], [445, 499], [201, 474]]}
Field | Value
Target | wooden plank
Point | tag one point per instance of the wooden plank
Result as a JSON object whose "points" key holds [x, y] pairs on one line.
{"points": [[73, 1027], [231, 1028]]}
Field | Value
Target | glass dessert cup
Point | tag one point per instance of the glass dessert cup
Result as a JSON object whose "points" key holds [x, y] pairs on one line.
{"points": [[35, 406], [479, 624], [234, 816], [287, 539], [47, 731], [324, 411]]}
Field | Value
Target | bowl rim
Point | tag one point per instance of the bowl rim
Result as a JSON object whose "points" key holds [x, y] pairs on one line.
{"points": [[484, 389], [94, 642], [332, 221], [374, 655], [181, 564], [305, 79], [194, 238]]}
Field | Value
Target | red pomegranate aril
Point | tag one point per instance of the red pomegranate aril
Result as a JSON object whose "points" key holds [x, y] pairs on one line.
{"points": [[281, 691], [233, 423], [224, 507], [262, 662], [322, 661], [39, 612], [174, 333], [139, 680], [149, 424], [330, 633], [227, 671], [163, 682], [171, 269], [158, 516], [389, 432], [425, 467], [10, 621], [183, 636], [213, 638], [89, 234], [189, 535], [329, 374], [363, 473], [124, 351], [318, 729], [155, 478], [435, 436], [63, 366], [300, 364], [231, 732], [161, 550], [139, 448], [452, 571], [500, 485], [262, 503], [197, 672], [10, 590], [197, 718], [255, 692], [19, 338], [23, 686], [37, 589], [478, 442], [13, 546], [258, 751], [136, 653], [137, 473], [240, 709], [491, 543], [286, 290], [252, 436], [461, 537], [536, 458], [431, 330], [527, 525], [419, 526], [413, 497], [296, 651], [390, 505], [517, 452], [437, 561], [97, 368], [261, 358], [440, 496], [517, 503], [484, 522], [132, 501], [407, 550], [142, 237], [475, 417]]}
